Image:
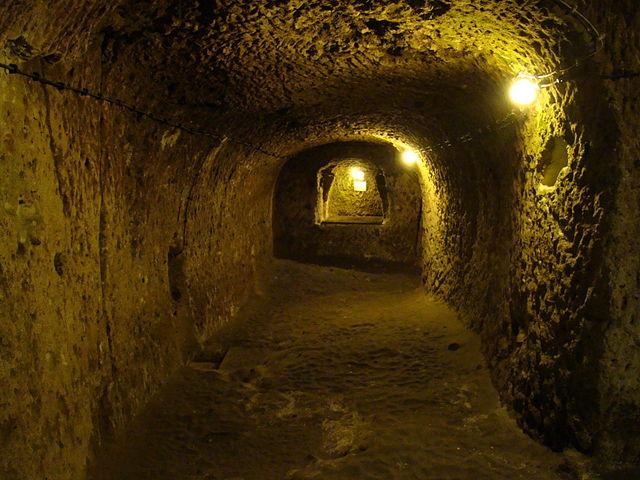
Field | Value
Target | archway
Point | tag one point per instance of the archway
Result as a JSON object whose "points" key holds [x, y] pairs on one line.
{"points": [[347, 201]]}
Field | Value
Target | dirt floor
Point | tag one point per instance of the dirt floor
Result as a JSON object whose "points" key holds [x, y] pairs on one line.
{"points": [[334, 374]]}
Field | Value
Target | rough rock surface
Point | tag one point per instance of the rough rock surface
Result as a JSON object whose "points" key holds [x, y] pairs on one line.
{"points": [[123, 243], [299, 233], [334, 374]]}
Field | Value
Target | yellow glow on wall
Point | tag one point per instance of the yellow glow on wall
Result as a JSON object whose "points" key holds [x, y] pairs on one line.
{"points": [[524, 91], [357, 174], [360, 185], [409, 157]]}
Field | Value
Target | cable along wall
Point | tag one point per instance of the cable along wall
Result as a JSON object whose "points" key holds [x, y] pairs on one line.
{"points": [[561, 347]]}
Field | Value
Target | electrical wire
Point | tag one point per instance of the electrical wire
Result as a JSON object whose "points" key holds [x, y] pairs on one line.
{"points": [[597, 39], [13, 69], [509, 119], [85, 92]]}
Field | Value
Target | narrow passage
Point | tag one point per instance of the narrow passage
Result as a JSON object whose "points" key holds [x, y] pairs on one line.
{"points": [[334, 374]]}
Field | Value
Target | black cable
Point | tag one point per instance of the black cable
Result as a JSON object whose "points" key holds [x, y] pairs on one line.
{"points": [[13, 69], [555, 76], [597, 38]]}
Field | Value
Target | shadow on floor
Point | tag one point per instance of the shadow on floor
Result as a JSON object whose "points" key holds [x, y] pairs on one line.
{"points": [[369, 266]]}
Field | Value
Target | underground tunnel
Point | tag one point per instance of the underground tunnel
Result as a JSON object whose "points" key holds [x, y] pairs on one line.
{"points": [[302, 239], [347, 204]]}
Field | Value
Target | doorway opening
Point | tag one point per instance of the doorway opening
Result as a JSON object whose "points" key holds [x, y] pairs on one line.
{"points": [[351, 191]]}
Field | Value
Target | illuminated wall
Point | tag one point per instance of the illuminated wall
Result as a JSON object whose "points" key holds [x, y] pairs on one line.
{"points": [[530, 229], [320, 216], [351, 191]]}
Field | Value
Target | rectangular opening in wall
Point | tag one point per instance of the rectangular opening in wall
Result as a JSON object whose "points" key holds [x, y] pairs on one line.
{"points": [[360, 185], [350, 192]]}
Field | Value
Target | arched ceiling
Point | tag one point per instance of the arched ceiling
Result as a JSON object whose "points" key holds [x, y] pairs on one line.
{"points": [[274, 54], [438, 65]]}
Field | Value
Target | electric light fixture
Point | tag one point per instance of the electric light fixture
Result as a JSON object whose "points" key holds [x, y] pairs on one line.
{"points": [[524, 90], [357, 174], [409, 157]]}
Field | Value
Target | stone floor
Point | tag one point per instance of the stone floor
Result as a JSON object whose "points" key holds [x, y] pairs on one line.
{"points": [[335, 374]]}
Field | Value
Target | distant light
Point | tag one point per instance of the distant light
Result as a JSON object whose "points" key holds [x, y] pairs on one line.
{"points": [[360, 185], [409, 157], [357, 174], [524, 91]]}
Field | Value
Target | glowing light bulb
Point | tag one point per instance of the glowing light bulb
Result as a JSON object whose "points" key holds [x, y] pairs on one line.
{"points": [[409, 157], [524, 91], [357, 174]]}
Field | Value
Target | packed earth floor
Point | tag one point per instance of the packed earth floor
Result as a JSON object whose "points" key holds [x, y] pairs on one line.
{"points": [[333, 374]]}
